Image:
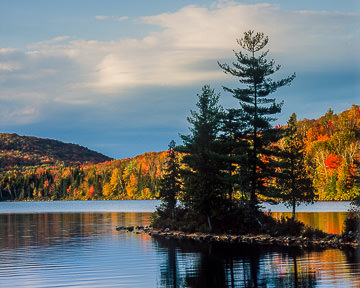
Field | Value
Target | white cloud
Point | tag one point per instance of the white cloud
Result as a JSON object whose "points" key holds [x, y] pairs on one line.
{"points": [[19, 108], [184, 52], [71, 101], [7, 50], [9, 67], [122, 18], [105, 17], [102, 17], [48, 44]]}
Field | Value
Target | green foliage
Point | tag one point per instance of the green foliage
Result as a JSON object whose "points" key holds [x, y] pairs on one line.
{"points": [[313, 233], [256, 110], [203, 186], [136, 178], [169, 186], [332, 145], [237, 220], [352, 223], [293, 181], [289, 226]]}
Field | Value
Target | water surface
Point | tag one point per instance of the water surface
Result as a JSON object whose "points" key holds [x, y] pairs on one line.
{"points": [[82, 249]]}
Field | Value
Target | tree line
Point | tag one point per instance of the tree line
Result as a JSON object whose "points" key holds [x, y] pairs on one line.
{"points": [[330, 152], [229, 154], [235, 157], [131, 178]]}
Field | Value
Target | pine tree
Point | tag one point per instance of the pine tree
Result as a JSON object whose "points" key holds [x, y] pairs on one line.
{"points": [[233, 151], [170, 183], [203, 179], [293, 181], [257, 110]]}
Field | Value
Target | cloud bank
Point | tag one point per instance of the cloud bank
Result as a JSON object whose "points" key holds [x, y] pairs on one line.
{"points": [[68, 74]]}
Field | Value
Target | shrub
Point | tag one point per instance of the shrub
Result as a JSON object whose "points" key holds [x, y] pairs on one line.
{"points": [[352, 223], [313, 233], [289, 226]]}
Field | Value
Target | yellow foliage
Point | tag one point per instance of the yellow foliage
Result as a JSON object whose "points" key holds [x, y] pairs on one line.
{"points": [[107, 191]]}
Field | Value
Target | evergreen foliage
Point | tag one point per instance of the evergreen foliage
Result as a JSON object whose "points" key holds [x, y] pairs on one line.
{"points": [[203, 175], [256, 111], [169, 185], [293, 181]]}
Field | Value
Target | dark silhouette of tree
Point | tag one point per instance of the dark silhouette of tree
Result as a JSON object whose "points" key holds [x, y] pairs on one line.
{"points": [[293, 181], [257, 109], [170, 183], [203, 182]]}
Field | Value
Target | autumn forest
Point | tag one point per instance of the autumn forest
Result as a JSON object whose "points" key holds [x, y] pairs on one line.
{"points": [[332, 155]]}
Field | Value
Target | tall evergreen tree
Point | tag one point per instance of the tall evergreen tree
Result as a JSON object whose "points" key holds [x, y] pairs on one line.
{"points": [[294, 183], [233, 151], [170, 183], [257, 109], [203, 184]]}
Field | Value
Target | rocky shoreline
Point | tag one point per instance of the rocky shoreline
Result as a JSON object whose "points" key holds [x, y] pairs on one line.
{"points": [[330, 241]]}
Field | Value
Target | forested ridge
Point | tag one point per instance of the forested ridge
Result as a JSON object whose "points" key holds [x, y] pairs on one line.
{"points": [[44, 169], [332, 151], [19, 152]]}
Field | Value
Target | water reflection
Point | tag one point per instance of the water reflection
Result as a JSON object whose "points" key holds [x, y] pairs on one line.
{"points": [[39, 229], [329, 222], [84, 250], [75, 250], [189, 264]]}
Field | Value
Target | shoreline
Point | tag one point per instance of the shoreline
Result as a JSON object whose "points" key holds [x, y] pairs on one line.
{"points": [[332, 241]]}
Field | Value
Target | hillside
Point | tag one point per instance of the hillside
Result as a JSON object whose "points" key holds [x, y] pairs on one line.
{"points": [[25, 151], [332, 153]]}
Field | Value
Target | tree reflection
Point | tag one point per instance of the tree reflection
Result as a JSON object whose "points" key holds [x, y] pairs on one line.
{"points": [[353, 258], [190, 264], [169, 271], [211, 272]]}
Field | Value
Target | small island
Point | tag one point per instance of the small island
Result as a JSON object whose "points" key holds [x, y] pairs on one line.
{"points": [[235, 158]]}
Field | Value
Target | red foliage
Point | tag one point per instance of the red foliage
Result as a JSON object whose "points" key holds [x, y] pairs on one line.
{"points": [[91, 192], [332, 161]]}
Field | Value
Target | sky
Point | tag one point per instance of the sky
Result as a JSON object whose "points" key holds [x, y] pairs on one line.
{"points": [[120, 77]]}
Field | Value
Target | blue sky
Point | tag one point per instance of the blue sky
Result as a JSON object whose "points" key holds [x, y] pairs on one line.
{"points": [[120, 77]]}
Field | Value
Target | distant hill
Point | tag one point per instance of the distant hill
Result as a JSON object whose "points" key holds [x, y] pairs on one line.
{"points": [[72, 172], [25, 151]]}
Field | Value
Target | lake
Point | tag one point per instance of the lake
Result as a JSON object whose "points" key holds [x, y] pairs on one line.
{"points": [[74, 244]]}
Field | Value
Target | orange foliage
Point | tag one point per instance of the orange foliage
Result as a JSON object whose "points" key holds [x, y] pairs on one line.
{"points": [[91, 192], [323, 137], [332, 161]]}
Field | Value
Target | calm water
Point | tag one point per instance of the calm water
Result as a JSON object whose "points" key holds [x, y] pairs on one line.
{"points": [[77, 247]]}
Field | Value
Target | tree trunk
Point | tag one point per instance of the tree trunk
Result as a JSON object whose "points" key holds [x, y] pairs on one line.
{"points": [[209, 222], [293, 209], [173, 213]]}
